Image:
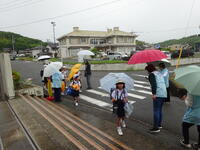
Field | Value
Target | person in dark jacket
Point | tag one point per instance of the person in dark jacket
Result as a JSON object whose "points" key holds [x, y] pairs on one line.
{"points": [[159, 94], [88, 73]]}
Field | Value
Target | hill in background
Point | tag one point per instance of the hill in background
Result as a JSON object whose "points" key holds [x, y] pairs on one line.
{"points": [[20, 41], [191, 40]]}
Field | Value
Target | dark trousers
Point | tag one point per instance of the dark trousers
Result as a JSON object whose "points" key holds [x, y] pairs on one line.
{"points": [[168, 95], [157, 111], [88, 77], [57, 94], [185, 131]]}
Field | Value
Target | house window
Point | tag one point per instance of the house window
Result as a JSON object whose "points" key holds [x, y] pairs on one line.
{"points": [[93, 41], [83, 40]]}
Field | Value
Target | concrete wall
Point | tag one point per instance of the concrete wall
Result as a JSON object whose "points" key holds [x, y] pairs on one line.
{"points": [[7, 87], [110, 67]]}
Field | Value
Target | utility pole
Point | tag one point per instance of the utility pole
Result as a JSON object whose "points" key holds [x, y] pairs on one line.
{"points": [[54, 37], [13, 43]]}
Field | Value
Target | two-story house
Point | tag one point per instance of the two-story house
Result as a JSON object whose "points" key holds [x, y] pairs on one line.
{"points": [[110, 40]]}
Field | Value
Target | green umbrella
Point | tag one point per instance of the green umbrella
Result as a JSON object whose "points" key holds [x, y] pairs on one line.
{"points": [[189, 77]]}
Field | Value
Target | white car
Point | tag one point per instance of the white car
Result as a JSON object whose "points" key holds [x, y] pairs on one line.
{"points": [[114, 56]]}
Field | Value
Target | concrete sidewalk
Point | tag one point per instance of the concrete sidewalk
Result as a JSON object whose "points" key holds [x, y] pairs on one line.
{"points": [[12, 136], [49, 137]]}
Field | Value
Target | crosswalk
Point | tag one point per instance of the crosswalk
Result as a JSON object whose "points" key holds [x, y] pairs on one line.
{"points": [[99, 97]]}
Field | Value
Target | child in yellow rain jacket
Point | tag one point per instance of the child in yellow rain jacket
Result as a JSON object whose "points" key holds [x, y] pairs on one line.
{"points": [[76, 86]]}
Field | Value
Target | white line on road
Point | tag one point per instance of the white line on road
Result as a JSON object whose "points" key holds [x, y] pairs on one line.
{"points": [[136, 96], [139, 75], [95, 101], [98, 93], [141, 82], [142, 91], [104, 94], [142, 86]]}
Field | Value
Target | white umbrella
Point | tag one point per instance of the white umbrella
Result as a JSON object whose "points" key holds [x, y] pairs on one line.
{"points": [[165, 61], [85, 53], [44, 57], [52, 68]]}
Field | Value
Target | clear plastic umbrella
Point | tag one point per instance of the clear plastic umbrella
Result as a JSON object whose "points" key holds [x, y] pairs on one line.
{"points": [[110, 80], [52, 68], [189, 77], [85, 53]]}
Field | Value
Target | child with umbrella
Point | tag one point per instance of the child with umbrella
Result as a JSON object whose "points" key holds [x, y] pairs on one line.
{"points": [[120, 97]]}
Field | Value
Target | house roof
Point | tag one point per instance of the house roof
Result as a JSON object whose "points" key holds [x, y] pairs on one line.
{"points": [[88, 33]]}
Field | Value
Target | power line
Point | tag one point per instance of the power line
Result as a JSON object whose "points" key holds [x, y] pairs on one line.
{"points": [[27, 4], [16, 3], [189, 18], [9, 2], [62, 15]]}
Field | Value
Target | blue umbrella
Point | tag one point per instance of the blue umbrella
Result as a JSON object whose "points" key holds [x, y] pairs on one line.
{"points": [[110, 80]]}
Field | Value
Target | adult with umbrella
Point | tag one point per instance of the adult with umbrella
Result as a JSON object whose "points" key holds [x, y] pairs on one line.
{"points": [[189, 78], [53, 71], [88, 74], [159, 94], [120, 83]]}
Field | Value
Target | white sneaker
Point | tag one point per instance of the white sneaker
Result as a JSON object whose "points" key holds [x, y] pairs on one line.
{"points": [[123, 124], [76, 103], [119, 131]]}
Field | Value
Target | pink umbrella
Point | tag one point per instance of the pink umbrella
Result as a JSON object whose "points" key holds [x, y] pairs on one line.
{"points": [[146, 56]]}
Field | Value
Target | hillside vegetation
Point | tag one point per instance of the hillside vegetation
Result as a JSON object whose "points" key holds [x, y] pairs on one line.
{"points": [[191, 40], [21, 42]]}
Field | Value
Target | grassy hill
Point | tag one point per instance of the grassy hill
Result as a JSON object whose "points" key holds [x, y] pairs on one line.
{"points": [[191, 40], [21, 42]]}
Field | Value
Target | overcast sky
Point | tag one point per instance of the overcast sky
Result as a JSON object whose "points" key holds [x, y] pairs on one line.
{"points": [[152, 20]]}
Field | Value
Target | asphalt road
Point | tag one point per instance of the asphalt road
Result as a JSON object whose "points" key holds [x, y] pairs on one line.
{"points": [[140, 98]]}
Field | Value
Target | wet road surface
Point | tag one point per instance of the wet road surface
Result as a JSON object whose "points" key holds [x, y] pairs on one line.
{"points": [[140, 97]]}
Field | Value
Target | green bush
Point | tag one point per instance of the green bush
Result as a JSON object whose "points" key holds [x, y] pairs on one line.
{"points": [[16, 79]]}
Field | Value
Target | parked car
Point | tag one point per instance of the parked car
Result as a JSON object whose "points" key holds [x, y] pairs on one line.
{"points": [[114, 56], [185, 53], [168, 54]]}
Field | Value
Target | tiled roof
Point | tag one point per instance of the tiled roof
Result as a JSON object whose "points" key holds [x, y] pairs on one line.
{"points": [[88, 33]]}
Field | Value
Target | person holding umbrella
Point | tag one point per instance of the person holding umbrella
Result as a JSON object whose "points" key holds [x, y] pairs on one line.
{"points": [[191, 117], [189, 78], [159, 94], [165, 72], [120, 97], [57, 79], [88, 73]]}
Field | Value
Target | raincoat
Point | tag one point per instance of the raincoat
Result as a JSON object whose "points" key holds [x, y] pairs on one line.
{"points": [[161, 90], [192, 114], [57, 80], [165, 74]]}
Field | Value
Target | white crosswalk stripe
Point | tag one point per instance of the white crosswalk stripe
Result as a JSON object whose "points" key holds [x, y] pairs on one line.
{"points": [[141, 82], [98, 102], [95, 101], [107, 95], [98, 93], [142, 91], [142, 86]]}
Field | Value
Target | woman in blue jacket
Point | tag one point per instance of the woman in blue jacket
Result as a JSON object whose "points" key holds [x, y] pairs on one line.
{"points": [[191, 117]]}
